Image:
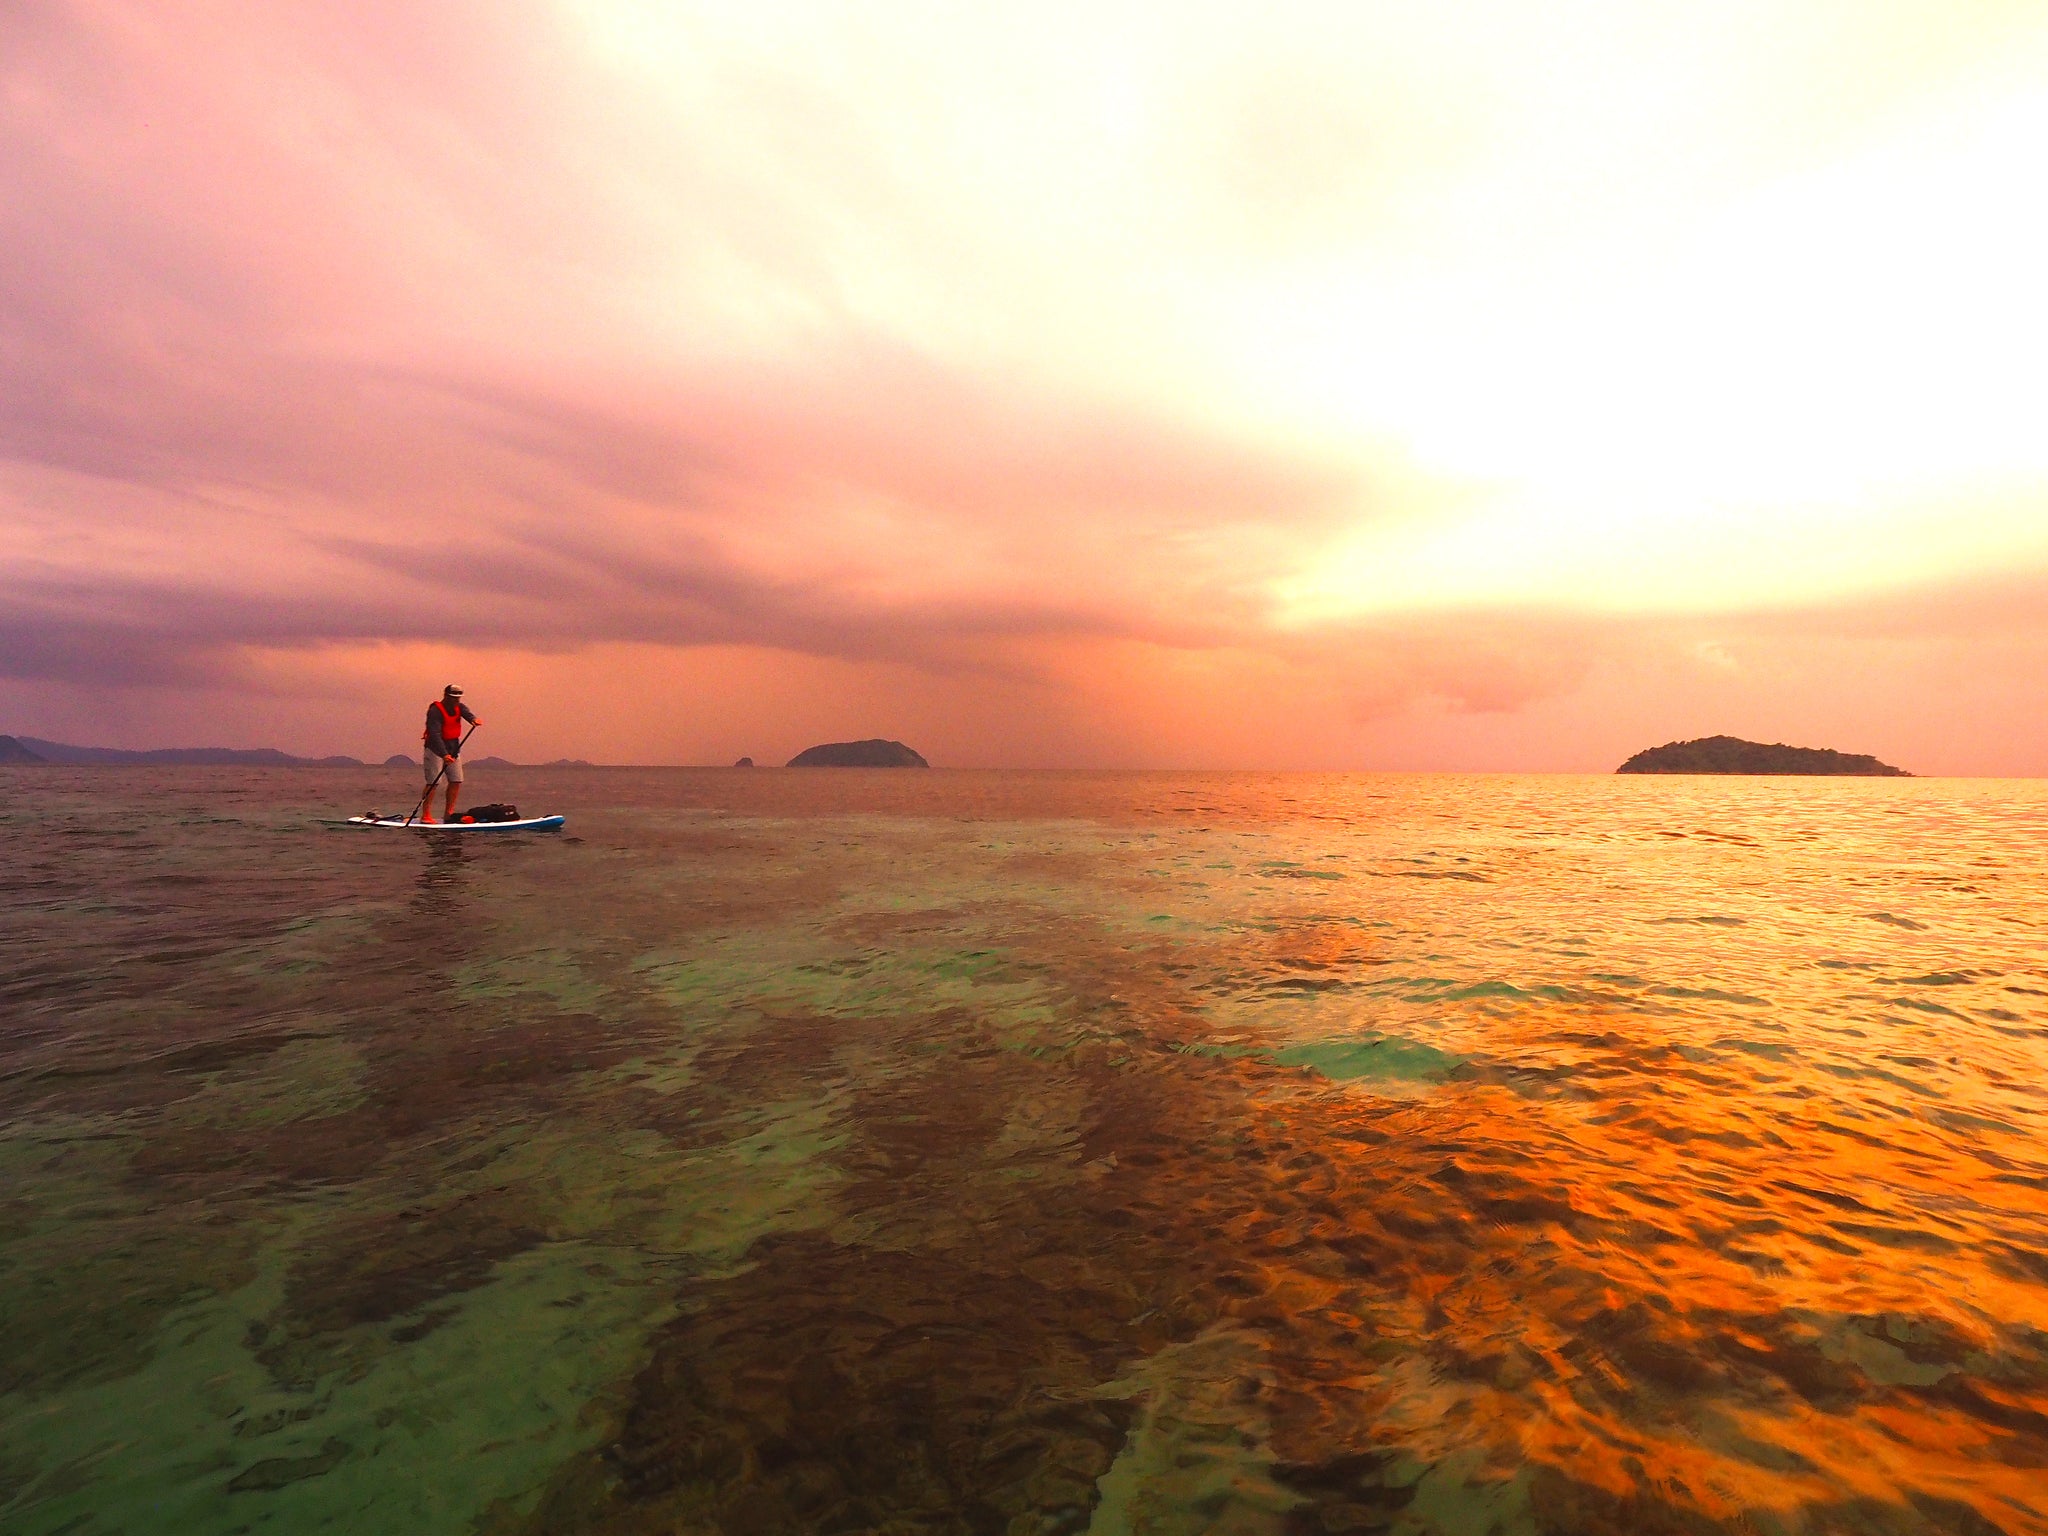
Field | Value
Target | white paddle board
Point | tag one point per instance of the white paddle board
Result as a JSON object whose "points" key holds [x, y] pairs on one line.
{"points": [[529, 824]]}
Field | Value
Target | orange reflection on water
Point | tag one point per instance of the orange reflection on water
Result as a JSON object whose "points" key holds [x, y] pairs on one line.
{"points": [[1660, 1291]]}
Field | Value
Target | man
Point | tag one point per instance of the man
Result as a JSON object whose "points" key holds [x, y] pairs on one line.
{"points": [[444, 741]]}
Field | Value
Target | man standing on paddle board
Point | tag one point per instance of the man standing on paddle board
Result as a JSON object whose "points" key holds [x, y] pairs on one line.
{"points": [[444, 741]]}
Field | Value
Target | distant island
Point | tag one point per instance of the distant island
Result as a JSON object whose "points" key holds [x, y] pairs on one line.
{"points": [[1731, 754], [404, 760], [858, 754], [12, 751]]}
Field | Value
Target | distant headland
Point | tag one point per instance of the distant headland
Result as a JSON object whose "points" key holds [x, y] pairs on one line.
{"points": [[1731, 754], [875, 753]]}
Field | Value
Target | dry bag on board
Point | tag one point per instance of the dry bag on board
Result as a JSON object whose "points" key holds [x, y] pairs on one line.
{"points": [[490, 813]]}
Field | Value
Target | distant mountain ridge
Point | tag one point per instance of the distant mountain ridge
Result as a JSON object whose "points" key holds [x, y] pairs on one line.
{"points": [[247, 757], [1731, 754], [33, 749]]}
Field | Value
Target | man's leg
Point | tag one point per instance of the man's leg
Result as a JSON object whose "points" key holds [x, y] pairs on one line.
{"points": [[454, 778], [430, 765]]}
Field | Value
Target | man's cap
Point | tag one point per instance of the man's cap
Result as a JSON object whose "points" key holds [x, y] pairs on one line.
{"points": [[451, 692]]}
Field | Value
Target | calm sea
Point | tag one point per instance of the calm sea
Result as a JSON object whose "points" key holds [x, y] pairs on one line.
{"points": [[1007, 1153]]}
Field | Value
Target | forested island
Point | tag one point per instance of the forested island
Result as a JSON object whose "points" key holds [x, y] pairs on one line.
{"points": [[1731, 754], [873, 753]]}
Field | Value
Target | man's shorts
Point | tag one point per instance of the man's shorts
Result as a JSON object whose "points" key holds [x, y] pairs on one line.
{"points": [[431, 765]]}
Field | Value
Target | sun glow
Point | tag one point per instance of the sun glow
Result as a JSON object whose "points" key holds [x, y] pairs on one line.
{"points": [[1821, 388], [1662, 310]]}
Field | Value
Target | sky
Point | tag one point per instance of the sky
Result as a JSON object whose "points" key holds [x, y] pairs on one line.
{"points": [[1483, 385]]}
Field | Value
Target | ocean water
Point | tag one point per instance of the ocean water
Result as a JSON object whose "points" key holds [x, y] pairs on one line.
{"points": [[950, 1152]]}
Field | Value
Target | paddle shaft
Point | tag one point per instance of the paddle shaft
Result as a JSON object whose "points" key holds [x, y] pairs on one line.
{"points": [[460, 742]]}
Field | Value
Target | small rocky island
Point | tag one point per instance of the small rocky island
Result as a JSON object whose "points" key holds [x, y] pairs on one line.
{"points": [[1731, 754], [858, 754], [12, 751]]}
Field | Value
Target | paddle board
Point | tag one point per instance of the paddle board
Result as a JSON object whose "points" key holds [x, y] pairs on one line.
{"points": [[530, 824]]}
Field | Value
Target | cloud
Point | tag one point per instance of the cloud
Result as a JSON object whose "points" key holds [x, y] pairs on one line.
{"points": [[222, 431], [875, 517]]}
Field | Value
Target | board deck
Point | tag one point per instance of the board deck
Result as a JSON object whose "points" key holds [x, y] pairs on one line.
{"points": [[529, 824]]}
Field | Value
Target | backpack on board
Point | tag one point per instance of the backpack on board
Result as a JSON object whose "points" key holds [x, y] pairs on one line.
{"points": [[489, 813]]}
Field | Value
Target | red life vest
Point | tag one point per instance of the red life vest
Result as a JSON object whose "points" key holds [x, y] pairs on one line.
{"points": [[451, 722]]}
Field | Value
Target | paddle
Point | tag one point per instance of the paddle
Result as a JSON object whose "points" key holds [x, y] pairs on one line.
{"points": [[460, 742]]}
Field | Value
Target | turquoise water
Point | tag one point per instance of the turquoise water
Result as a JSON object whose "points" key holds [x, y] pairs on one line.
{"points": [[847, 1151]]}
